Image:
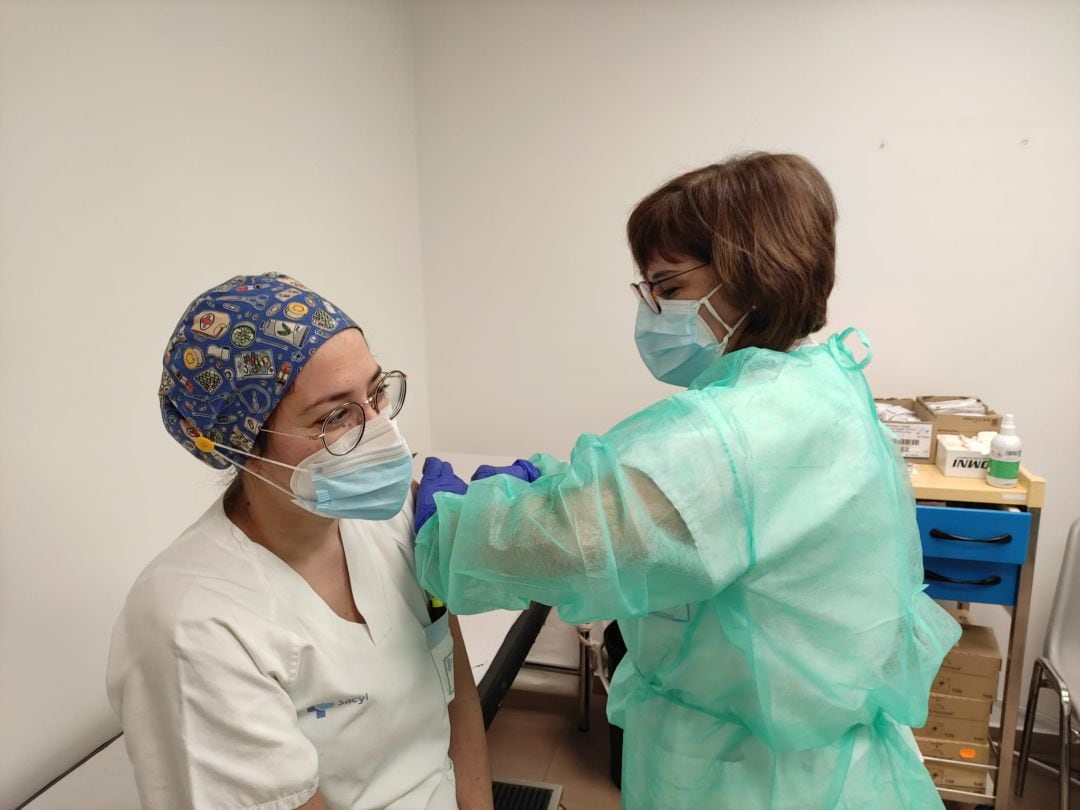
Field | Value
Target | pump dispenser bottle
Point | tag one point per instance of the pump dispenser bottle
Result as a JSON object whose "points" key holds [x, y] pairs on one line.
{"points": [[1004, 467]]}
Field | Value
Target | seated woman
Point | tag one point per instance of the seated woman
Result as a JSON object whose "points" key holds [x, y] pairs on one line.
{"points": [[280, 654]]}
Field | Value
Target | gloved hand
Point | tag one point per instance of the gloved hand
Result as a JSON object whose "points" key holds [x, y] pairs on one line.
{"points": [[523, 469], [438, 476]]}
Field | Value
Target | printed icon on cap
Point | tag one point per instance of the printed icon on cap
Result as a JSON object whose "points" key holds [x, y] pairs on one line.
{"points": [[295, 310], [323, 321], [243, 335], [293, 334], [210, 324], [283, 375], [209, 379], [193, 357], [254, 364]]}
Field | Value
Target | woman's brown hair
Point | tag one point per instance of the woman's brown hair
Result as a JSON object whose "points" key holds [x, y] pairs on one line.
{"points": [[767, 225]]}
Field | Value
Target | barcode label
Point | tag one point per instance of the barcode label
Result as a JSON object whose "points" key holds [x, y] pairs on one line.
{"points": [[913, 440]]}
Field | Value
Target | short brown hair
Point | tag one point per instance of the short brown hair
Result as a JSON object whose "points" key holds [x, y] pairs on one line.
{"points": [[767, 225]]}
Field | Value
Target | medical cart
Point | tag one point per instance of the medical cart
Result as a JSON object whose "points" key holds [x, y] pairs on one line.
{"points": [[980, 547]]}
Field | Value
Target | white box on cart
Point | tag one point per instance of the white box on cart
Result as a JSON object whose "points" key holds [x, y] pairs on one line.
{"points": [[959, 456]]}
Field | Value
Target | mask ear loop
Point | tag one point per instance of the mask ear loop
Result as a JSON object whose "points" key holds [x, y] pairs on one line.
{"points": [[205, 445], [709, 306], [712, 311]]}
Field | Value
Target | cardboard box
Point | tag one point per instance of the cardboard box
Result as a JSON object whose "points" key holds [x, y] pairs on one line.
{"points": [[955, 423], [954, 459], [957, 776], [960, 708], [969, 686], [917, 440], [975, 654], [950, 728], [960, 750]]}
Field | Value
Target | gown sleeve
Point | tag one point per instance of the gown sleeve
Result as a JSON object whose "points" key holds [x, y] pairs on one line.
{"points": [[651, 515]]}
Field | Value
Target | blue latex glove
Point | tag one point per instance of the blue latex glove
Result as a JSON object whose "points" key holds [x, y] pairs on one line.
{"points": [[438, 476], [523, 469]]}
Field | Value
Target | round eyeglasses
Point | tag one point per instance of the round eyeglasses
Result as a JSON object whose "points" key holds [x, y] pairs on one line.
{"points": [[343, 421], [646, 290]]}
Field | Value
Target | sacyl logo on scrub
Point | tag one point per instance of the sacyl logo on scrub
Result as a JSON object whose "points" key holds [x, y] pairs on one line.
{"points": [[321, 709]]}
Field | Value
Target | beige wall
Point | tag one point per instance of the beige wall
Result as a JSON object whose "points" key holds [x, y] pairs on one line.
{"points": [[147, 152]]}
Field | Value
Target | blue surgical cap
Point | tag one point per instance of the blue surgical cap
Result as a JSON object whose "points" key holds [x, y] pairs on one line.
{"points": [[233, 356]]}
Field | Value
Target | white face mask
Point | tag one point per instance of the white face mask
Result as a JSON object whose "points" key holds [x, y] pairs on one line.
{"points": [[677, 344]]}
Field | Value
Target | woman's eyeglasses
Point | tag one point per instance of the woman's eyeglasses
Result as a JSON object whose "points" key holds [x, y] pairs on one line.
{"points": [[646, 290], [388, 398]]}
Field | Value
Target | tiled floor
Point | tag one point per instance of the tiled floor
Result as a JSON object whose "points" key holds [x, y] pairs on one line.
{"points": [[1041, 792], [535, 737]]}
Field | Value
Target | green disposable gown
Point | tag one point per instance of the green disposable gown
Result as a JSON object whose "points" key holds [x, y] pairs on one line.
{"points": [[755, 536]]}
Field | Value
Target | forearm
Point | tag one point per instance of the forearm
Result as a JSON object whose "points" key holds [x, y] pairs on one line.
{"points": [[652, 515], [603, 542], [468, 744]]}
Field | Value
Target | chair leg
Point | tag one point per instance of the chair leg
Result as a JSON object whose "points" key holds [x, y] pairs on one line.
{"points": [[1029, 725], [1066, 746]]}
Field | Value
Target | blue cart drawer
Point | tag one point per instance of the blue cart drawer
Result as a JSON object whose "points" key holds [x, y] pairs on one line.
{"points": [[987, 535], [970, 581]]}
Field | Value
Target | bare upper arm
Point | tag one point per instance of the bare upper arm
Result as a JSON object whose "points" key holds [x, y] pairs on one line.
{"points": [[314, 803], [462, 667]]}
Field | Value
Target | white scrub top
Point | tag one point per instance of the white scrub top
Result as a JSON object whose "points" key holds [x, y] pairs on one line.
{"points": [[238, 687]]}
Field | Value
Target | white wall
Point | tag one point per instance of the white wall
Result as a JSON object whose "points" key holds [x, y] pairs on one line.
{"points": [[948, 132], [147, 152]]}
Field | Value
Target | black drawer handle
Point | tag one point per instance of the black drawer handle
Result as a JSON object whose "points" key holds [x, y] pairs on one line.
{"points": [[1000, 540], [933, 576]]}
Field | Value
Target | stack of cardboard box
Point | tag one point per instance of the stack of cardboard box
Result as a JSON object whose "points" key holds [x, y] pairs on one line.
{"points": [[958, 727], [925, 436], [952, 454]]}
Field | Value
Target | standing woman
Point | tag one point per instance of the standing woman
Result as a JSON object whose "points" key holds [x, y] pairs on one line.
{"points": [[754, 533], [280, 654]]}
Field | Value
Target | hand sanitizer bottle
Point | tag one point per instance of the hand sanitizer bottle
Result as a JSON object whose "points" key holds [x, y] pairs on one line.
{"points": [[1004, 466]]}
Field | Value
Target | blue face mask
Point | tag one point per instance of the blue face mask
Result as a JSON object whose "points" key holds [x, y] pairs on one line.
{"points": [[369, 483], [677, 344]]}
